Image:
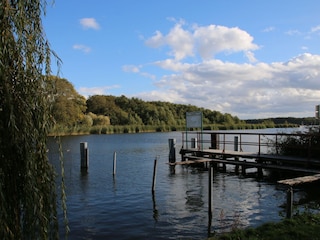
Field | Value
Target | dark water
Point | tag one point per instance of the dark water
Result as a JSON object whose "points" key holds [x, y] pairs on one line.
{"points": [[101, 206]]}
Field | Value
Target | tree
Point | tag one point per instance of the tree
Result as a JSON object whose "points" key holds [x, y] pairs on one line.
{"points": [[69, 106], [27, 180]]}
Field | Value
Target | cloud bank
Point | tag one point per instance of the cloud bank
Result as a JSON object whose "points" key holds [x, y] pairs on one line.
{"points": [[249, 89]]}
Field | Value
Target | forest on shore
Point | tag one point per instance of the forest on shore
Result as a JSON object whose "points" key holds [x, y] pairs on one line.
{"points": [[103, 114]]}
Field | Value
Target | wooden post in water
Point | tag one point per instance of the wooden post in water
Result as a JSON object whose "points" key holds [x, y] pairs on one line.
{"points": [[289, 202], [243, 168], [210, 180], [154, 175], [236, 148], [84, 152], [114, 163], [172, 150]]}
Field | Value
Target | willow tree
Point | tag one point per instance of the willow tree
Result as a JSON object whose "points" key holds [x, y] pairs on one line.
{"points": [[27, 180]]}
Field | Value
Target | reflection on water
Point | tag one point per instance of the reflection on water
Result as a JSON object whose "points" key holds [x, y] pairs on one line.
{"points": [[102, 205]]}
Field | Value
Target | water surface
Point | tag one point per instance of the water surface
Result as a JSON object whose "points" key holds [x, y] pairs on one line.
{"points": [[103, 206]]}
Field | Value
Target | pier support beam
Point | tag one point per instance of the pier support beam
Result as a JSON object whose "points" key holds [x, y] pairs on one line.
{"points": [[289, 201], [236, 149], [210, 180], [172, 150], [243, 169]]}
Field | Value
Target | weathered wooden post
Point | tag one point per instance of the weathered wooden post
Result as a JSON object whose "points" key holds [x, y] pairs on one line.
{"points": [[194, 143], [172, 150], [84, 152], [243, 168], [210, 180], [114, 163], [214, 145], [154, 175], [236, 149], [214, 141], [289, 202]]}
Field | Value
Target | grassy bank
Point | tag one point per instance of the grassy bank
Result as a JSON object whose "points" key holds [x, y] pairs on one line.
{"points": [[302, 226]]}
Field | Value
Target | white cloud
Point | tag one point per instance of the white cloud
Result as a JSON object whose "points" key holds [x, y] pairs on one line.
{"points": [[88, 23], [179, 40], [293, 32], [86, 92], [205, 41], [195, 74], [315, 29], [268, 29], [213, 39], [246, 90], [130, 68], [82, 48]]}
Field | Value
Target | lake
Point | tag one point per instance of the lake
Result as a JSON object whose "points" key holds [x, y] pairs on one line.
{"points": [[103, 206]]}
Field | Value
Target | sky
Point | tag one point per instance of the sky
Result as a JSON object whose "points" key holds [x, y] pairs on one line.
{"points": [[252, 59]]}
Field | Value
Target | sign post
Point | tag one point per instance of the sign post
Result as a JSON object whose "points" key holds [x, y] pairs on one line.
{"points": [[194, 120]]}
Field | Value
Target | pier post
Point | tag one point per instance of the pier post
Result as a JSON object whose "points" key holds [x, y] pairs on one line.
{"points": [[114, 163], [84, 152], [214, 141], [243, 168], [154, 175], [210, 180], [236, 149], [194, 143], [289, 202], [172, 150]]}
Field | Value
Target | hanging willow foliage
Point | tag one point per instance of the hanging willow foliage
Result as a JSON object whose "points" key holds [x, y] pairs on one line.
{"points": [[27, 180]]}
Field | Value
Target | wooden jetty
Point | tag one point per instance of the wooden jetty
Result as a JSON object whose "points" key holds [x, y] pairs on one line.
{"points": [[249, 150], [227, 148]]}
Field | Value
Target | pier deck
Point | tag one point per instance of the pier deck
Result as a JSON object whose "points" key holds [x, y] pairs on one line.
{"points": [[216, 150]]}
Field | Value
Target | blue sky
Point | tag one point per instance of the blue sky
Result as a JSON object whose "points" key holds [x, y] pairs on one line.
{"points": [[249, 58]]}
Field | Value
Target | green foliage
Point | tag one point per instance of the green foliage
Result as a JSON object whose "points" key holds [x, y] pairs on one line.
{"points": [[302, 226], [304, 145], [71, 111], [133, 111], [27, 180], [68, 106]]}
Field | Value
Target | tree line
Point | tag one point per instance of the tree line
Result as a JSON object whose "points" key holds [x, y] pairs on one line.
{"points": [[106, 113]]}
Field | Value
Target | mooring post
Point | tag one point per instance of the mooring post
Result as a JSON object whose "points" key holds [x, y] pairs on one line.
{"points": [[236, 149], [243, 168], [194, 143], [289, 202], [214, 141], [84, 152], [210, 180], [154, 175], [172, 150], [114, 163]]}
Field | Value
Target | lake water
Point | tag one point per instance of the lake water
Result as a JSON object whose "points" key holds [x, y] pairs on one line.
{"points": [[103, 206]]}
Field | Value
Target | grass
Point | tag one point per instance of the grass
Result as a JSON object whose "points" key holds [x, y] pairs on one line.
{"points": [[301, 226]]}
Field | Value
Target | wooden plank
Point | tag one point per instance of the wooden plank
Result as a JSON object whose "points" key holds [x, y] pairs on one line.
{"points": [[245, 163], [189, 162], [300, 180]]}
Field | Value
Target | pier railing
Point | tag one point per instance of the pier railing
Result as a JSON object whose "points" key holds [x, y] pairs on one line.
{"points": [[260, 143]]}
